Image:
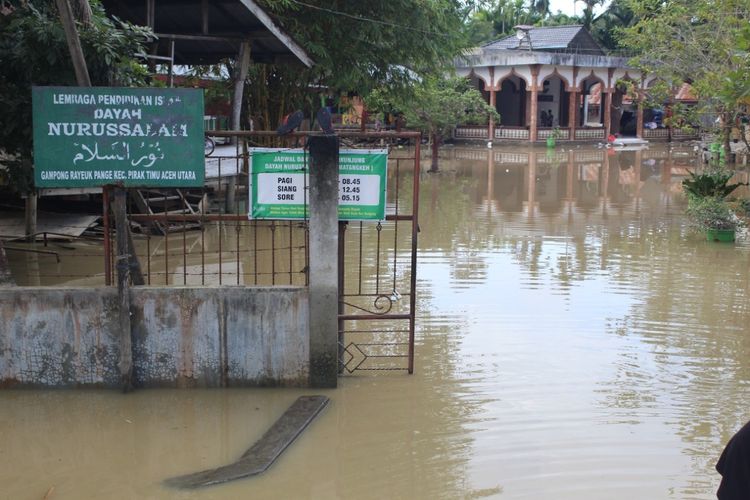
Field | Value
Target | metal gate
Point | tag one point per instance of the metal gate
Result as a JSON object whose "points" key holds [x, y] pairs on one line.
{"points": [[377, 260], [378, 271]]}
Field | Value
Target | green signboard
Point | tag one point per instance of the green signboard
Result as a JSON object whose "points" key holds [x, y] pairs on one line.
{"points": [[144, 137], [279, 183]]}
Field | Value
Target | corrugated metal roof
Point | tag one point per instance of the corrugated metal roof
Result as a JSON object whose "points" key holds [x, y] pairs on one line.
{"points": [[552, 37]]}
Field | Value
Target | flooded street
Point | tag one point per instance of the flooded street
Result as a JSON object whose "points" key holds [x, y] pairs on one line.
{"points": [[575, 340]]}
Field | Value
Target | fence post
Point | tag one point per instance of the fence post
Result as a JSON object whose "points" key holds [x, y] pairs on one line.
{"points": [[122, 265], [324, 299]]}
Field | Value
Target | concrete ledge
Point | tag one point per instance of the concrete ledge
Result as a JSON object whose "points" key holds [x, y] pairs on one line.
{"points": [[182, 336]]}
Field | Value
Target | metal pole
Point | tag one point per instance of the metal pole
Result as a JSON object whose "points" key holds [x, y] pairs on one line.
{"points": [[342, 281], [414, 238], [171, 63]]}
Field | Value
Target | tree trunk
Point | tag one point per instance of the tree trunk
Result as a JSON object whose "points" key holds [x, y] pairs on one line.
{"points": [[726, 134], [435, 148], [83, 11]]}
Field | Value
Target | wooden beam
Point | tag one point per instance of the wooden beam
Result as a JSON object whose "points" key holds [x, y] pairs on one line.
{"points": [[204, 17], [74, 43], [283, 37], [265, 451], [202, 38], [150, 13]]}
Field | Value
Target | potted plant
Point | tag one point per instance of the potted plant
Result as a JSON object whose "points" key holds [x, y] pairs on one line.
{"points": [[715, 217], [712, 182]]}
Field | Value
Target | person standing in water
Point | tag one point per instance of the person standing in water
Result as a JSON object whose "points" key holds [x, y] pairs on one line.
{"points": [[734, 467]]}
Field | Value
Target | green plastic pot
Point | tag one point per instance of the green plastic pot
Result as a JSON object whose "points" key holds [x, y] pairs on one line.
{"points": [[550, 142], [721, 235]]}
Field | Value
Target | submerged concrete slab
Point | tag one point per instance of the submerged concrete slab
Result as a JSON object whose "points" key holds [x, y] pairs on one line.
{"points": [[265, 451]]}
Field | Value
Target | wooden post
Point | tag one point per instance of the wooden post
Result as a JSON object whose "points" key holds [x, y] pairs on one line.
{"points": [[171, 63], [125, 363], [31, 214], [239, 83], [6, 278], [204, 17], [74, 43], [150, 13], [107, 237], [239, 88], [123, 236]]}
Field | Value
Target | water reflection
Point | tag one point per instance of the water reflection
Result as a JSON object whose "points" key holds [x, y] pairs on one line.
{"points": [[575, 340], [596, 316]]}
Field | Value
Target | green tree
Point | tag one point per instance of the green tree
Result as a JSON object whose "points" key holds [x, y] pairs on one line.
{"points": [[588, 17], [607, 25], [702, 42], [541, 7], [357, 47], [488, 24], [436, 106], [33, 51]]}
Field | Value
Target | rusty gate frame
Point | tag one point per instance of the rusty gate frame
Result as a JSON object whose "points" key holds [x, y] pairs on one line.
{"points": [[380, 312]]}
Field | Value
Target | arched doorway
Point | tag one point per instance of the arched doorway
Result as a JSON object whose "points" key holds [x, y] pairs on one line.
{"points": [[624, 109], [511, 102], [552, 103], [591, 110]]}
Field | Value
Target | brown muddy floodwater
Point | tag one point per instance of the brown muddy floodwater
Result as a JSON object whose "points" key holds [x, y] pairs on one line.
{"points": [[575, 340]]}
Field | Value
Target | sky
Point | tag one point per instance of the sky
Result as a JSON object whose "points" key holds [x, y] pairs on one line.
{"points": [[567, 6]]}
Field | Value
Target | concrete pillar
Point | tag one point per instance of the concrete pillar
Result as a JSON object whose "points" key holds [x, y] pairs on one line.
{"points": [[324, 298], [534, 107], [493, 100], [607, 114], [572, 112]]}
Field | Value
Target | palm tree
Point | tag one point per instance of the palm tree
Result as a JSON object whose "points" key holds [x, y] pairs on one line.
{"points": [[588, 12], [541, 7]]}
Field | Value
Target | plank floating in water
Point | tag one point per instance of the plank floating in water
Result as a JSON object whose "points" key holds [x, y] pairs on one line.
{"points": [[265, 451]]}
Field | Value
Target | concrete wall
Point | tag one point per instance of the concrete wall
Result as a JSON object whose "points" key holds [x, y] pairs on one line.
{"points": [[182, 337]]}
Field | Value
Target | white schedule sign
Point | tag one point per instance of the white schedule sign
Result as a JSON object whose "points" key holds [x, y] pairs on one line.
{"points": [[279, 184]]}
